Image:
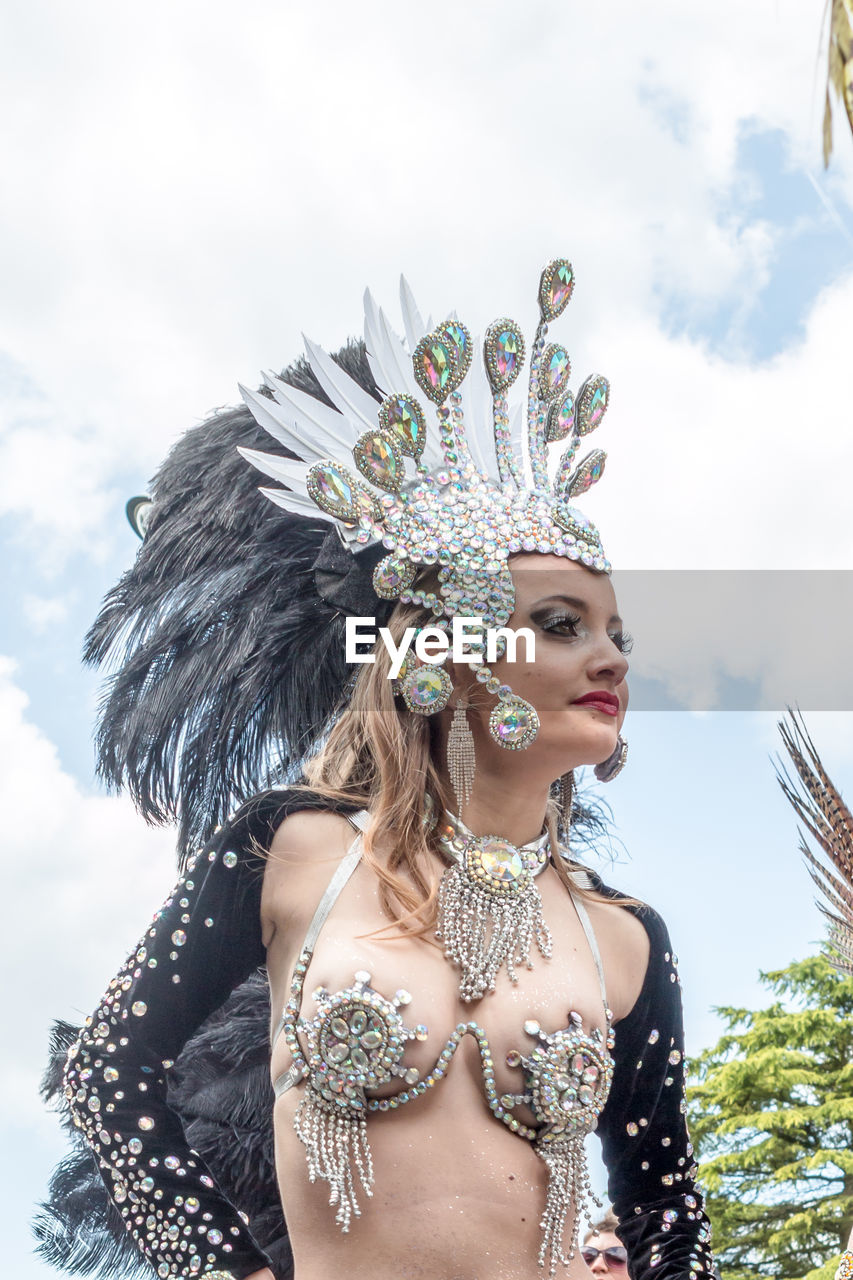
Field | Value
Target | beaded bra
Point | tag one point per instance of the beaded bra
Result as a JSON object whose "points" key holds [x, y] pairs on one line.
{"points": [[356, 1042]]}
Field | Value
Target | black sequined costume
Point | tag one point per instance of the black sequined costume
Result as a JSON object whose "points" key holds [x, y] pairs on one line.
{"points": [[120, 1083]]}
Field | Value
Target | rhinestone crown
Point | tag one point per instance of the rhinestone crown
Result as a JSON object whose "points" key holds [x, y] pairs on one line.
{"points": [[480, 489]]}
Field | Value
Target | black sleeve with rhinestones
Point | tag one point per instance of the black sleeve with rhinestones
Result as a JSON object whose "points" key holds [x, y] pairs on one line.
{"points": [[203, 942], [645, 1143]]}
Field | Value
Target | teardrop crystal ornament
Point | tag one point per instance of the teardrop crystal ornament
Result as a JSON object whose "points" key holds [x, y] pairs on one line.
{"points": [[561, 418], [587, 474], [433, 367], [379, 457], [454, 333], [578, 525], [593, 399], [503, 351], [555, 288], [338, 493], [405, 417], [554, 372]]}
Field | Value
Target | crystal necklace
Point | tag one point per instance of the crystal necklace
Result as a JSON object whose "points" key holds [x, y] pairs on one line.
{"points": [[489, 909], [455, 836]]}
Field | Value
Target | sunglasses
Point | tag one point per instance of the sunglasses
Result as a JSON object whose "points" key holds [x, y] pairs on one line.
{"points": [[615, 1256]]}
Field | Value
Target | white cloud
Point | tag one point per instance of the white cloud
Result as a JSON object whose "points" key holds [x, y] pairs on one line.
{"points": [[57, 487], [738, 641], [83, 876], [43, 613], [724, 464], [190, 191]]}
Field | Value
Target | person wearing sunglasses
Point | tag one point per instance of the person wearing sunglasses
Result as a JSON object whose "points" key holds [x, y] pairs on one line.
{"points": [[603, 1251]]}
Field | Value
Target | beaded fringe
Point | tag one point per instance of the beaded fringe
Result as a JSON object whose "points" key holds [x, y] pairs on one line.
{"points": [[461, 758], [336, 1149], [482, 931], [568, 1189]]}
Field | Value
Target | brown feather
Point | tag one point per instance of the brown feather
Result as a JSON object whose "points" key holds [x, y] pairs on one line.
{"points": [[829, 810], [821, 810], [826, 881]]}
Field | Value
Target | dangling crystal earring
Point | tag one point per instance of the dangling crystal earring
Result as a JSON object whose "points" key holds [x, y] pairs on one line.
{"points": [[460, 755], [615, 762], [513, 723]]}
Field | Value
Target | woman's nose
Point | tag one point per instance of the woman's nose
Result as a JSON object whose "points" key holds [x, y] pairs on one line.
{"points": [[608, 661], [599, 1266]]}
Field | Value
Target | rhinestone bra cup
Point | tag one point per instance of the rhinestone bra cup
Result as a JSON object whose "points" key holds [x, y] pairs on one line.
{"points": [[356, 1043]]}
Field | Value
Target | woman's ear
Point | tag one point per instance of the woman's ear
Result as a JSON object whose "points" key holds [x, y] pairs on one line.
{"points": [[465, 685]]}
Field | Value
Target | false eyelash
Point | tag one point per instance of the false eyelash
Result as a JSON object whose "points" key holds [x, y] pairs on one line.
{"points": [[623, 640], [555, 619]]}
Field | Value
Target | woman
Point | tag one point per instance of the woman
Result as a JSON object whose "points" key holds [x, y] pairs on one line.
{"points": [[429, 944]]}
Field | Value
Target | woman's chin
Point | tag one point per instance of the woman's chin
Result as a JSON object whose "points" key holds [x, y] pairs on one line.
{"points": [[593, 747]]}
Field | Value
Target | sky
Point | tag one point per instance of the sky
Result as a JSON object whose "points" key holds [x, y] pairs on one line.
{"points": [[188, 188]]}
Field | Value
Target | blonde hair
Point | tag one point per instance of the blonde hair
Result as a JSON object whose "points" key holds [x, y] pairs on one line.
{"points": [[380, 756], [609, 1224]]}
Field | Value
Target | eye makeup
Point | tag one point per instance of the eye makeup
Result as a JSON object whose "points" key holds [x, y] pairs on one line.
{"points": [[562, 623]]}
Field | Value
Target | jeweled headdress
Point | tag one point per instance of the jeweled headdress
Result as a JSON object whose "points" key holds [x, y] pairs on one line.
{"points": [[479, 488]]}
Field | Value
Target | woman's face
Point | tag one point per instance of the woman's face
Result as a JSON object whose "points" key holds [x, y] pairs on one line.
{"points": [[596, 1258], [580, 650]]}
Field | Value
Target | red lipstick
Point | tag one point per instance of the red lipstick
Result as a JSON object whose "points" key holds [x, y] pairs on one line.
{"points": [[601, 700]]}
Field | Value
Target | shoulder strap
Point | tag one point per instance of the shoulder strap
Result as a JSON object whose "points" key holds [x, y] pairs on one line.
{"points": [[342, 873], [583, 916]]}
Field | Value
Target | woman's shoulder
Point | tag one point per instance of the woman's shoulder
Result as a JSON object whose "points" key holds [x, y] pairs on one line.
{"points": [[311, 830], [284, 813], [638, 918], [635, 939], [306, 839], [659, 990], [624, 947]]}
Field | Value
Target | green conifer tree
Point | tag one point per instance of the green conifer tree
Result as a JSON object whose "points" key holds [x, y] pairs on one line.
{"points": [[771, 1115]]}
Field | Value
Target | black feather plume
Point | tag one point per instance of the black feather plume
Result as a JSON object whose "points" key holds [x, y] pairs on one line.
{"points": [[228, 665]]}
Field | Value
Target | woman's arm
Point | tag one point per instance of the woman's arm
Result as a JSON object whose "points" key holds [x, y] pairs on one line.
{"points": [[645, 1143], [203, 942]]}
